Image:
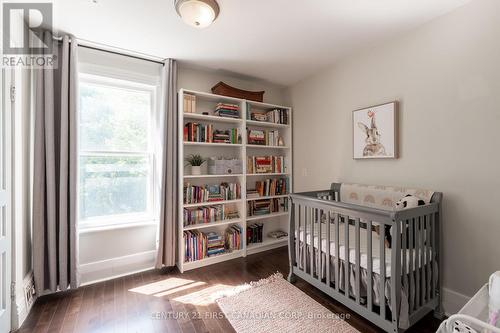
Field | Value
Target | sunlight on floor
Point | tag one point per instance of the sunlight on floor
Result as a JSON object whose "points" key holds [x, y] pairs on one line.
{"points": [[205, 296], [176, 290], [172, 286], [165, 287]]}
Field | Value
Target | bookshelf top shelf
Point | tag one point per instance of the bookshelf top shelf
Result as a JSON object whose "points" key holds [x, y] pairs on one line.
{"points": [[212, 97], [221, 98]]}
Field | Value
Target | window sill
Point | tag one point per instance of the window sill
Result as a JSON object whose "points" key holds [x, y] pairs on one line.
{"points": [[108, 227]]}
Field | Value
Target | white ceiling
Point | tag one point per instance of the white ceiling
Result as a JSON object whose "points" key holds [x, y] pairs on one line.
{"points": [[281, 41]]}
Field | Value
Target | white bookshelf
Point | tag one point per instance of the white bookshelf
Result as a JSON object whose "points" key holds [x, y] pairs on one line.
{"points": [[206, 102]]}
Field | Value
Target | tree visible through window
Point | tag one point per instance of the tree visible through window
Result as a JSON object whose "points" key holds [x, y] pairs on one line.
{"points": [[115, 160]]}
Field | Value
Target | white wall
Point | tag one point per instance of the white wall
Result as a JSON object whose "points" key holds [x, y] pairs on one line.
{"points": [[446, 74], [108, 253]]}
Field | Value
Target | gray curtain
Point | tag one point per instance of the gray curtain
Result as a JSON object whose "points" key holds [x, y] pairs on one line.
{"points": [[168, 191], [55, 169]]}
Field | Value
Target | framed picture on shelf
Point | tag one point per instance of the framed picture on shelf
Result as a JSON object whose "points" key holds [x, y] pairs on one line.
{"points": [[375, 132]]}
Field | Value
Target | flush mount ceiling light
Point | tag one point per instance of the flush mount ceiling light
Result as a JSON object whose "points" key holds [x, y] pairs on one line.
{"points": [[197, 13]]}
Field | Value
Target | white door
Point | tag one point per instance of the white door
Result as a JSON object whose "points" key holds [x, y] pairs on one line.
{"points": [[5, 197]]}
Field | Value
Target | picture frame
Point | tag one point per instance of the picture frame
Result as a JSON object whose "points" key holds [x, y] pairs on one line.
{"points": [[375, 132]]}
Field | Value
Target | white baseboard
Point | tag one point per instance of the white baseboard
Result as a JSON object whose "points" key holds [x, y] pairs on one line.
{"points": [[116, 267], [20, 309], [453, 301]]}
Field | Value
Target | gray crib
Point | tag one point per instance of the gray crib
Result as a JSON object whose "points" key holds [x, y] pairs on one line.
{"points": [[340, 248]]}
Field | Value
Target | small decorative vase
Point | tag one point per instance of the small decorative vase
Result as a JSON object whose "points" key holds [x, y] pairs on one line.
{"points": [[195, 170]]}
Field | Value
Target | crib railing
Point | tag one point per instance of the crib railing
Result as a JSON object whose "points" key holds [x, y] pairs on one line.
{"points": [[412, 286]]}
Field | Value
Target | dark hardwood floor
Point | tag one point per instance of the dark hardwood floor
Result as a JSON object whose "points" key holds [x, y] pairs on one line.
{"points": [[170, 301]]}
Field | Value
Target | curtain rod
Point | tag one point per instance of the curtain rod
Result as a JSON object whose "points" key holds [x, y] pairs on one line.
{"points": [[114, 50]]}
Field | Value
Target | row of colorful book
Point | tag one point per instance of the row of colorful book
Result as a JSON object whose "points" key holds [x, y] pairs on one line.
{"points": [[195, 132], [232, 135], [208, 214], [275, 116], [254, 233], [269, 187], [267, 206], [211, 193], [199, 245], [227, 110], [264, 138], [233, 237], [215, 244], [266, 164]]}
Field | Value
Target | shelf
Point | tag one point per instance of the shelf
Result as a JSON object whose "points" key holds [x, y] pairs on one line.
{"points": [[265, 124], [269, 197], [212, 203], [267, 174], [213, 224], [268, 242], [218, 119], [267, 216], [214, 176], [212, 144], [212, 260], [267, 147], [241, 150], [213, 97]]}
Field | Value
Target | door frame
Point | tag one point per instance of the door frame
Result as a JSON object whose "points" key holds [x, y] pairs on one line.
{"points": [[7, 75]]}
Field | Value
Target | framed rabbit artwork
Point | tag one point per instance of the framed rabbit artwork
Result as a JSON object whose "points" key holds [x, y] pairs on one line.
{"points": [[375, 132]]}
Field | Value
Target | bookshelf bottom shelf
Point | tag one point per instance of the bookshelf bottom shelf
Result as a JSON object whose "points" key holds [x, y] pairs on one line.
{"points": [[211, 260], [267, 244]]}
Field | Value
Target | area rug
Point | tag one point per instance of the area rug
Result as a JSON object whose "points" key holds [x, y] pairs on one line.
{"points": [[275, 305]]}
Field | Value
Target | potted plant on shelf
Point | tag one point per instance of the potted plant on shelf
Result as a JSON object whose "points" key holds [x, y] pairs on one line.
{"points": [[195, 161]]}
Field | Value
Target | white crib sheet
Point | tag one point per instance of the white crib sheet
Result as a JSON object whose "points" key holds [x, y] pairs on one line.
{"points": [[363, 247]]}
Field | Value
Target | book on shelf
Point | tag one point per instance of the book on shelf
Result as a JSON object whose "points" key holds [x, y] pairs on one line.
{"points": [[278, 234], [208, 214], [199, 245], [211, 193], [266, 206], [264, 137], [189, 103], [275, 116], [195, 245], [270, 187], [232, 135], [227, 110], [254, 233], [233, 237], [266, 164], [195, 132]]}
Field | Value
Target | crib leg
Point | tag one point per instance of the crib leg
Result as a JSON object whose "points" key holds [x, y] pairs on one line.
{"points": [[292, 278]]}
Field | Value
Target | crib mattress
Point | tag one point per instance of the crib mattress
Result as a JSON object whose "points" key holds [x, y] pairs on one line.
{"points": [[417, 261]]}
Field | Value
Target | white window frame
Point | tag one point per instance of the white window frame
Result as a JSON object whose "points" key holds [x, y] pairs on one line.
{"points": [[130, 219]]}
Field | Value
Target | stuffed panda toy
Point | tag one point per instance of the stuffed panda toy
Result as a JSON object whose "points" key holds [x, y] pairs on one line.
{"points": [[408, 201]]}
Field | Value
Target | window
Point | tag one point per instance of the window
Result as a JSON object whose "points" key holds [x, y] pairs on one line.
{"points": [[116, 159]]}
